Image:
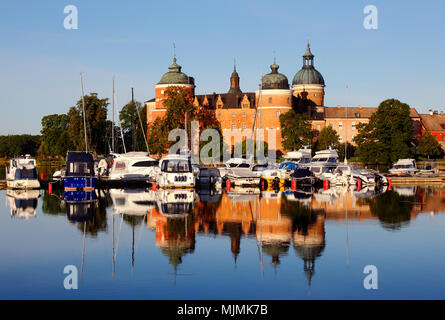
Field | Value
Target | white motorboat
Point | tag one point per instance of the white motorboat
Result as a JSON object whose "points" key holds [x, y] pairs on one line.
{"points": [[404, 167], [243, 176], [234, 163], [346, 174], [22, 203], [22, 173], [300, 156], [323, 163], [175, 171], [134, 166]]}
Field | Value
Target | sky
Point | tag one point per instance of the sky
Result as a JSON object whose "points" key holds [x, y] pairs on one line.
{"points": [[41, 61]]}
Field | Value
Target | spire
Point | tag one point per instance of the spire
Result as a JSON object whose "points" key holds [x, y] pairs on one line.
{"points": [[308, 57], [234, 80]]}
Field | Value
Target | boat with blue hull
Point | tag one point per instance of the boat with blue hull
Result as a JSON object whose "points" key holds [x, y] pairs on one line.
{"points": [[80, 173]]}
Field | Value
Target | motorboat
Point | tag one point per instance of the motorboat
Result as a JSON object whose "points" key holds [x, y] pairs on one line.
{"points": [[80, 173], [133, 201], [324, 162], [209, 178], [303, 176], [133, 166], [22, 203], [22, 173], [175, 203], [175, 172], [346, 174], [404, 167], [243, 177], [379, 178], [261, 168], [300, 156], [59, 174], [234, 163]]}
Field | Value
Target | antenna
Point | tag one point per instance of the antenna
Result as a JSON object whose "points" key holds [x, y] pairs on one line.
{"points": [[83, 111], [174, 50]]}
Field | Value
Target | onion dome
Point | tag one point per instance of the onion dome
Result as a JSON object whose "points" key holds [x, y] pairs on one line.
{"points": [[174, 75], [308, 74], [274, 80]]}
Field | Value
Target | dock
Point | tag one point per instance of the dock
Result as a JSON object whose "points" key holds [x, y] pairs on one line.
{"points": [[418, 180]]}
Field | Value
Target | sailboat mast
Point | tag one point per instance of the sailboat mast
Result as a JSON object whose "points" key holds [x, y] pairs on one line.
{"points": [[112, 124], [346, 127], [84, 116], [133, 121]]}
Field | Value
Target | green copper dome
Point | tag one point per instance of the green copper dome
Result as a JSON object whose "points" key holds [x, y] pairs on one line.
{"points": [[174, 75], [274, 80], [308, 74]]}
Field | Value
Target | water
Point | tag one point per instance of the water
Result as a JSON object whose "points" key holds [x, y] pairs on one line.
{"points": [[139, 244]]}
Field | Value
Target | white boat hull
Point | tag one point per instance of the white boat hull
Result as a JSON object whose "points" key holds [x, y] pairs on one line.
{"points": [[23, 184]]}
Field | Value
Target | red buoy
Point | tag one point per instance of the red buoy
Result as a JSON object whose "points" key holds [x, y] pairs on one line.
{"points": [[43, 176], [325, 184], [389, 183], [294, 184], [154, 187], [228, 185], [50, 188], [359, 184]]}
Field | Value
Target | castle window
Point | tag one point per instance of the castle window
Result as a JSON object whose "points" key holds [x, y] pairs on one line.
{"points": [[331, 124], [353, 125], [288, 100], [233, 115], [233, 127], [270, 99], [162, 91], [340, 125], [244, 114], [244, 126], [318, 127], [278, 113], [245, 105]]}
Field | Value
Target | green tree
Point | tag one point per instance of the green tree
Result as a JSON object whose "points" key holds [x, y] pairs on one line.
{"points": [[96, 123], [127, 116], [55, 137], [179, 102], [295, 130], [261, 145], [429, 147], [341, 151], [388, 136], [327, 137], [16, 145]]}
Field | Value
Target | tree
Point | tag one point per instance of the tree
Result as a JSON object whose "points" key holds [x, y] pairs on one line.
{"points": [[262, 146], [328, 137], [129, 116], [388, 136], [16, 145], [96, 117], [295, 130], [178, 104], [55, 137], [341, 150], [429, 147]]}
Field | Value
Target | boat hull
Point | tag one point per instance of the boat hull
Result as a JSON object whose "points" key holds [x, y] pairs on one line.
{"points": [[79, 183], [24, 184]]}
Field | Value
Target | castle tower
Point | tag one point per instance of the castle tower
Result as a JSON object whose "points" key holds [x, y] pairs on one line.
{"points": [[174, 77], [234, 82], [274, 99], [308, 81]]}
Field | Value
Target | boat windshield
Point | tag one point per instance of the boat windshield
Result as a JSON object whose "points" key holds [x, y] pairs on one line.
{"points": [[403, 166], [146, 164], [25, 174], [259, 167], [244, 165], [80, 168], [176, 166]]}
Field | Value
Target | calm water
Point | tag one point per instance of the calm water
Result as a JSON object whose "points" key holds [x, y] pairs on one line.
{"points": [[138, 244]]}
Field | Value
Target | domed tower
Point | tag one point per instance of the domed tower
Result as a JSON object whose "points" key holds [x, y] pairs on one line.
{"points": [[308, 81], [274, 99], [234, 82], [174, 77]]}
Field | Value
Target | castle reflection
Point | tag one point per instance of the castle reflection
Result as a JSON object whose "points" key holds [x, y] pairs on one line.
{"points": [[278, 221]]}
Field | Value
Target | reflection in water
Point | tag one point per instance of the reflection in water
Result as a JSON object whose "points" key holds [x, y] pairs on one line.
{"points": [[277, 220], [22, 203]]}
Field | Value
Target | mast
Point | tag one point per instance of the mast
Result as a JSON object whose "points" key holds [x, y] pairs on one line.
{"points": [[83, 111], [112, 124], [346, 127], [133, 122]]}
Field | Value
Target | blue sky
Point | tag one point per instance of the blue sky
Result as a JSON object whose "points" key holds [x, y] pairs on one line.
{"points": [[40, 61]]}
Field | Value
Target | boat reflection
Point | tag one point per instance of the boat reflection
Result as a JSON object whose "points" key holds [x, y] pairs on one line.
{"points": [[80, 205], [22, 203]]}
